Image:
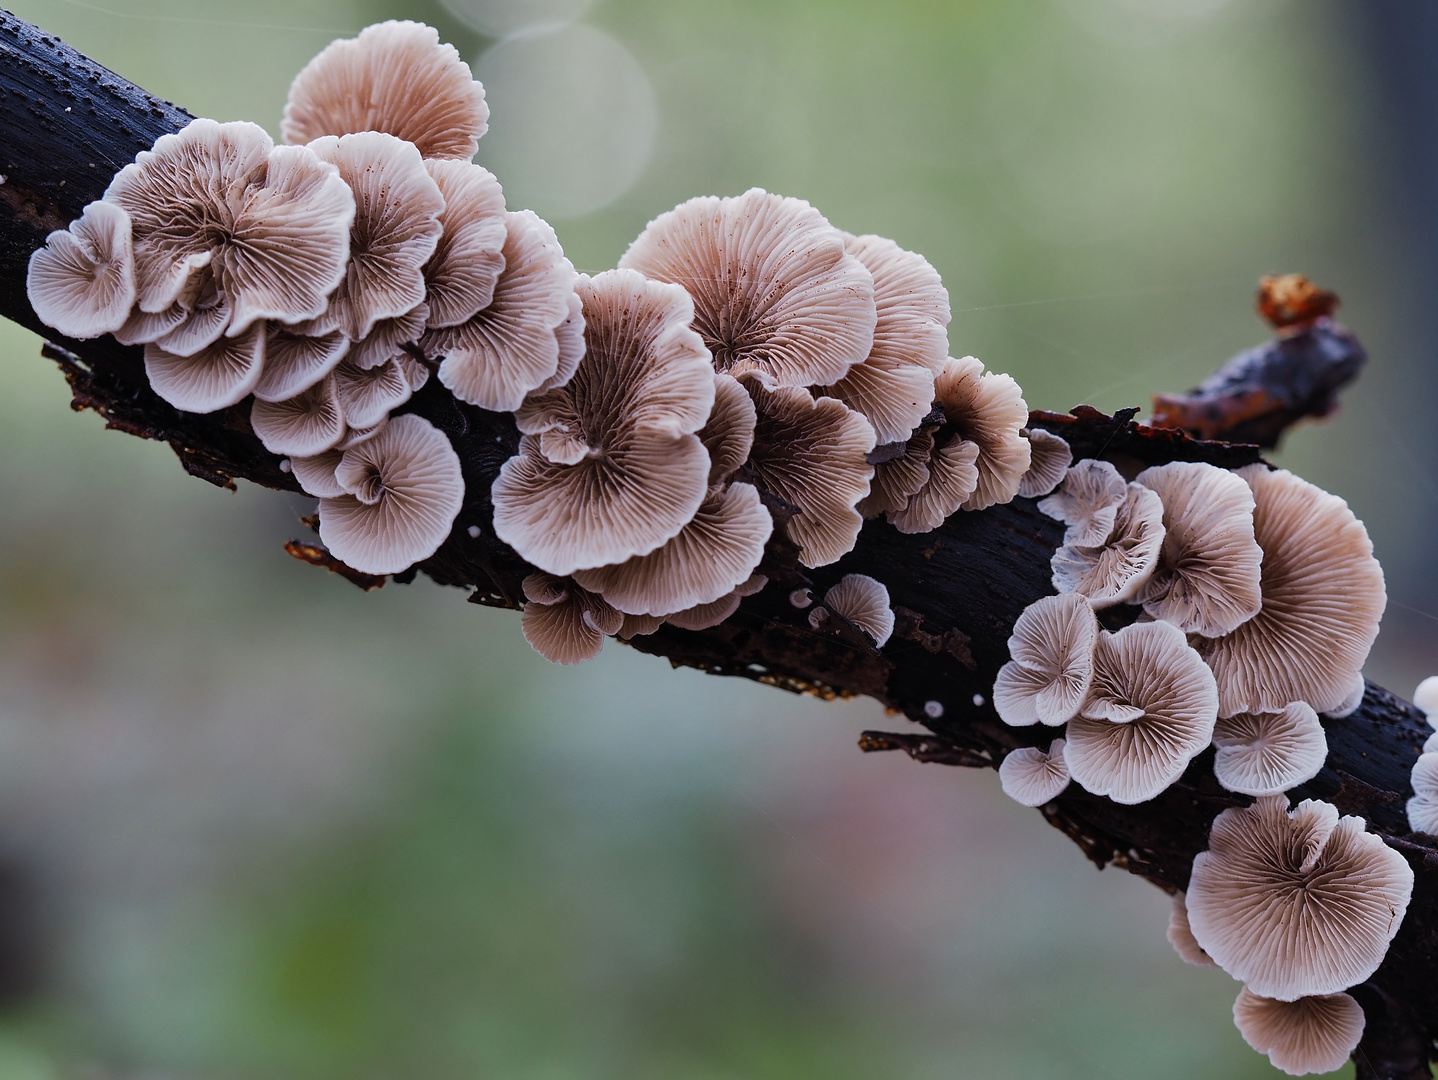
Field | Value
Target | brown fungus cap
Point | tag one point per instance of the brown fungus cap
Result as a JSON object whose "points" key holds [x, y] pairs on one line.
{"points": [[564, 623], [1087, 501], [394, 77], [295, 362], [307, 424], [953, 478], [82, 282], [1311, 1035], [1268, 753], [1032, 777], [1117, 570], [863, 601], [609, 466], [1052, 647], [989, 410], [368, 396], [1323, 597], [1296, 903], [1207, 578], [214, 378], [1150, 711], [1049, 461], [460, 276], [774, 291], [1180, 935]]}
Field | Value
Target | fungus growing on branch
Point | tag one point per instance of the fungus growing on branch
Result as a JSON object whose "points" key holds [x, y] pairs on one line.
{"points": [[986, 409], [564, 623], [1052, 647], [1049, 461], [368, 395], [467, 261], [898, 477], [82, 282], [213, 378], [1423, 807], [1032, 777], [1311, 1035], [951, 476], [309, 423], [1087, 502], [1426, 698], [1268, 753], [294, 362], [1117, 570], [863, 601], [728, 434]]}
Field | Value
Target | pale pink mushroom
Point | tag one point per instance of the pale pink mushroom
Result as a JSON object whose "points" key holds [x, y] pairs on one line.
{"points": [[295, 362], [953, 478], [728, 434], [82, 282], [214, 378], [703, 616], [1423, 807], [368, 396], [1268, 753], [1180, 935], [307, 424], [900, 475], [1032, 777], [1087, 501], [1049, 461], [564, 623], [1426, 698], [1311, 1035], [1048, 677], [387, 338], [1117, 570], [987, 409], [570, 335], [460, 277], [316, 475], [863, 601]]}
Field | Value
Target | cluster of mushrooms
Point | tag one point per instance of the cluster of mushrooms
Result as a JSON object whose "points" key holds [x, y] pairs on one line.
{"points": [[750, 369]]}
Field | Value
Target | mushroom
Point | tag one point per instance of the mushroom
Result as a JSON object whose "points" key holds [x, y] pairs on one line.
{"points": [[953, 477], [1314, 1034], [863, 601], [564, 623], [900, 476], [271, 223], [204, 313], [638, 626], [1150, 711], [989, 410], [812, 454], [1052, 647], [609, 466], [1426, 697], [728, 434], [316, 474], [403, 490], [775, 293], [309, 423], [1032, 777], [82, 282], [703, 616], [570, 335], [1322, 598], [1049, 461], [1087, 502], [1296, 903], [295, 362], [511, 347], [1207, 578], [395, 230], [893, 387], [460, 276], [394, 77], [1117, 570], [388, 338], [368, 396], [1423, 807], [1180, 936], [214, 378], [1268, 753]]}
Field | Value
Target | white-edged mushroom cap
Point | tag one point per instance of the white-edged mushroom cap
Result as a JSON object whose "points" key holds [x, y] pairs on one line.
{"points": [[609, 467], [1150, 711], [1296, 903], [953, 478], [813, 454], [1087, 501], [295, 362], [1116, 571], [1311, 1035], [510, 348], [212, 379], [1426, 698], [460, 276], [82, 282], [570, 335], [894, 386], [564, 623], [774, 291], [712, 555], [1423, 807], [404, 490], [396, 228], [638, 626], [1207, 578], [208, 314], [1323, 596], [864, 601], [1048, 677], [307, 424], [1351, 700], [394, 77], [1032, 777], [1268, 753], [387, 338], [987, 409], [1180, 936], [897, 478], [368, 396], [317, 474], [143, 327], [728, 434], [703, 616], [1049, 461]]}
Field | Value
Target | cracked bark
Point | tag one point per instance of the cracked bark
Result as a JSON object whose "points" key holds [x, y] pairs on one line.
{"points": [[67, 124]]}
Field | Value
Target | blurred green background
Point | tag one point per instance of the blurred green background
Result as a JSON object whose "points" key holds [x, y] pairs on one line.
{"points": [[256, 824]]}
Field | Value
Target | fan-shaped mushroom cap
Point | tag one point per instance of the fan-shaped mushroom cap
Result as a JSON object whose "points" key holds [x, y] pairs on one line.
{"points": [[564, 623], [712, 555], [609, 467], [1150, 711], [1207, 578], [1032, 777], [774, 291], [1351, 700], [368, 396], [894, 386], [510, 348], [143, 327], [394, 77], [214, 378], [703, 616], [295, 362], [207, 315], [460, 277], [638, 626], [989, 410], [864, 601], [1049, 461], [396, 228], [954, 476], [1423, 807], [1052, 647], [570, 335], [82, 282], [1180, 936], [404, 490], [317, 474], [354, 436], [1296, 903], [1322, 599], [1268, 753], [386, 339], [1116, 571], [728, 434], [307, 424], [1426, 697], [1087, 502], [897, 478], [1311, 1035], [272, 222]]}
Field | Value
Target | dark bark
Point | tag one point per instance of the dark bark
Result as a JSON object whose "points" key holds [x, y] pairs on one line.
{"points": [[66, 124]]}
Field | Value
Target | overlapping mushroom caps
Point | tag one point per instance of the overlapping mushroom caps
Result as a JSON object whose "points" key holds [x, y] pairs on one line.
{"points": [[1087, 501], [82, 282], [218, 376], [863, 601], [395, 77], [1115, 571], [986, 409], [1031, 776], [1322, 597], [1296, 903], [1049, 461], [1311, 1035], [564, 623], [461, 275], [1268, 753], [1052, 647], [950, 478]]}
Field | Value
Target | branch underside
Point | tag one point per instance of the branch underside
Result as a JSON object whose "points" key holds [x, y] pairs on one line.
{"points": [[67, 124]]}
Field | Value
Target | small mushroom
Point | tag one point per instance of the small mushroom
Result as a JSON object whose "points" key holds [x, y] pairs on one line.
{"points": [[214, 378], [82, 282], [863, 601], [987, 409], [897, 478], [1311, 1035], [1150, 711], [1049, 461], [1296, 903], [570, 336], [564, 623], [207, 315], [1207, 578], [307, 424], [1423, 807], [316, 475], [460, 276], [1268, 753], [703, 616], [388, 338], [775, 293], [1052, 647], [1426, 698], [1180, 936], [1032, 777], [295, 362], [728, 434], [367, 396], [953, 477], [1087, 502], [394, 77], [1116, 571]]}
